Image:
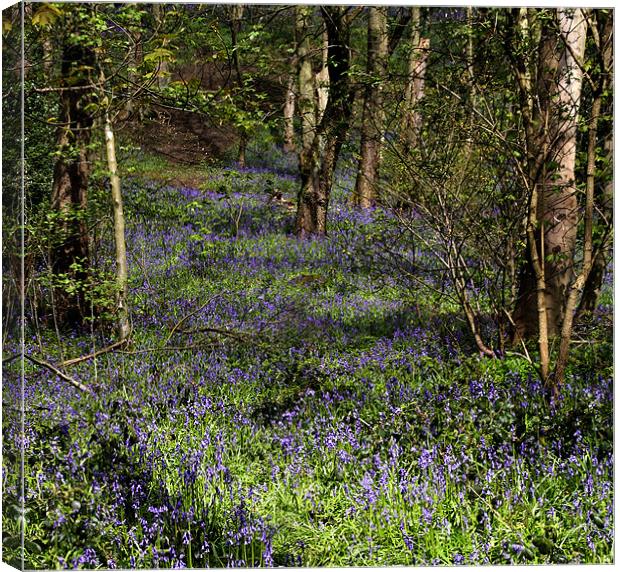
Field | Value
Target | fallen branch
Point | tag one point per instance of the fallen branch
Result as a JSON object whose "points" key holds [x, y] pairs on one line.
{"points": [[102, 351], [11, 358], [187, 316], [212, 330], [59, 373], [165, 349]]}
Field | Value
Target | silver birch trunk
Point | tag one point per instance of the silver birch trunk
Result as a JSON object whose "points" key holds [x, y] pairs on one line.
{"points": [[289, 112], [119, 233]]}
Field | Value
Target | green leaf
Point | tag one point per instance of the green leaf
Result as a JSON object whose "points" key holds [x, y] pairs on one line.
{"points": [[159, 54], [91, 107]]}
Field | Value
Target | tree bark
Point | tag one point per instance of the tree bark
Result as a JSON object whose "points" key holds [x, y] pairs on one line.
{"points": [[321, 80], [289, 112], [577, 287], [70, 259], [373, 115], [318, 159], [235, 29], [416, 76], [306, 210], [119, 234], [589, 253], [552, 145]]}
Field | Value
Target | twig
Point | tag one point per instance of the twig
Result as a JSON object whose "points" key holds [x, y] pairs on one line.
{"points": [[187, 316], [527, 355], [166, 349], [59, 373], [5, 405], [212, 330], [105, 350]]}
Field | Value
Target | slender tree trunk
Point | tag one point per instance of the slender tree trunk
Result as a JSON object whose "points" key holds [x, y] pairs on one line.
{"points": [[373, 115], [163, 74], [289, 111], [471, 95], [70, 259], [306, 102], [589, 253], [416, 77], [604, 199], [594, 282], [48, 54], [577, 287], [119, 233], [318, 160], [398, 28], [235, 29], [308, 165], [470, 48]]}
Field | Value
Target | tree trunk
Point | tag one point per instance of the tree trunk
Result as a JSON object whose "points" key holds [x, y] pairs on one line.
{"points": [[70, 259], [163, 75], [577, 287], [373, 113], [235, 29], [604, 198], [321, 80], [289, 111], [48, 54], [560, 206], [416, 74], [552, 151], [308, 167], [318, 160], [119, 234], [589, 253]]}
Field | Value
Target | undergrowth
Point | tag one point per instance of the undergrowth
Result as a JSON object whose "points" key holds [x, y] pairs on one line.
{"points": [[280, 406]]}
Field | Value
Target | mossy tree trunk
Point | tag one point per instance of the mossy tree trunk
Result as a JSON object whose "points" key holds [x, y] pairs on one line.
{"points": [[70, 254]]}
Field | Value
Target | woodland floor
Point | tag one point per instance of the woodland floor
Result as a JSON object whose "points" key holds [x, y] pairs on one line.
{"points": [[282, 403]]}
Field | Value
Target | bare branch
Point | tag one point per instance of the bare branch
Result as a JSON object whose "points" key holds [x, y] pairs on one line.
{"points": [[95, 354], [59, 373]]}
